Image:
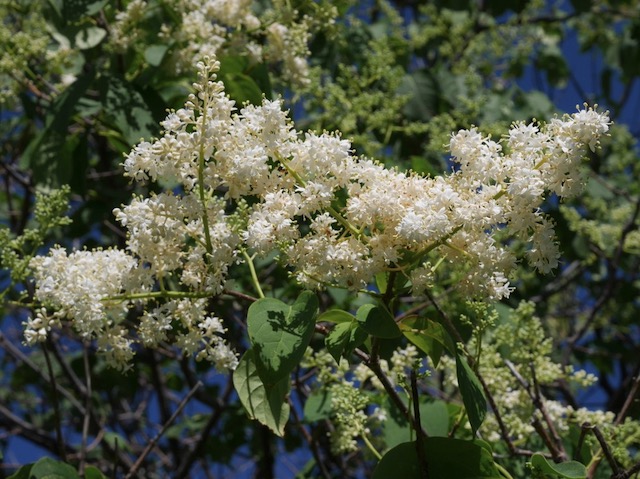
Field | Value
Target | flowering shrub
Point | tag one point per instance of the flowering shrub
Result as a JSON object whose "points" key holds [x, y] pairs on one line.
{"points": [[386, 221], [247, 185]]}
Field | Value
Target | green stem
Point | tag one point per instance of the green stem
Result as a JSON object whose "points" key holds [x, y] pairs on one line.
{"points": [[160, 294], [373, 450], [201, 189], [418, 258], [456, 249], [344, 222], [503, 471], [254, 276]]}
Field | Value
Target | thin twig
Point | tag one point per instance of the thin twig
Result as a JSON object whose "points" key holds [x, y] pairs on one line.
{"points": [[583, 434], [20, 356], [161, 393], [68, 371], [629, 472], [547, 419], [134, 469], [195, 452], [10, 421], [312, 444], [537, 425], [56, 404], [395, 397], [87, 415], [605, 448], [115, 464], [628, 401], [420, 434], [239, 295]]}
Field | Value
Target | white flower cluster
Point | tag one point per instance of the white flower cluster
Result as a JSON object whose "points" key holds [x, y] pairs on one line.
{"points": [[335, 219], [402, 361], [388, 214], [78, 286], [124, 30], [289, 45], [202, 28], [205, 27]]}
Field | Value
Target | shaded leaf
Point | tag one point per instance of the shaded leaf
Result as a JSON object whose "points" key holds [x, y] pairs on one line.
{"points": [[335, 316], [22, 473], [48, 155], [264, 403], [242, 88], [317, 406], [443, 457], [377, 321], [91, 472], [154, 54], [565, 470], [472, 395], [344, 338], [126, 106], [281, 333], [47, 468], [429, 336]]}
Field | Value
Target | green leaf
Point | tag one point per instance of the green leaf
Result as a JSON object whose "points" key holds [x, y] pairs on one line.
{"points": [[344, 338], [565, 470], [447, 458], [423, 91], [429, 336], [382, 281], [260, 74], [434, 417], [126, 106], [47, 468], [233, 64], [242, 88], [154, 54], [472, 395], [74, 10], [264, 403], [280, 334], [430, 92], [89, 37], [377, 321], [48, 155], [335, 316], [317, 406], [91, 472], [427, 344], [23, 473], [243, 80], [116, 441]]}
